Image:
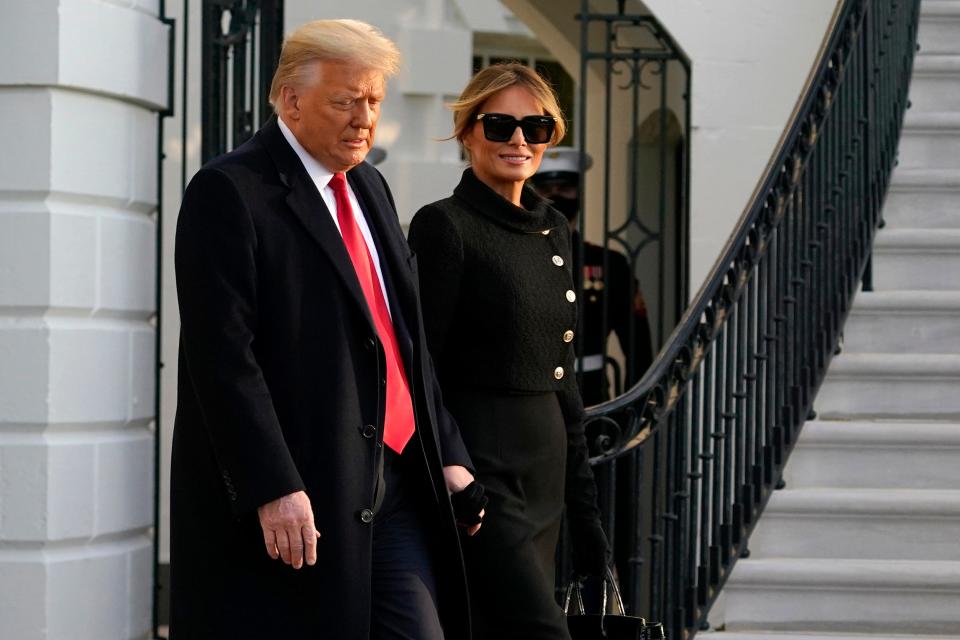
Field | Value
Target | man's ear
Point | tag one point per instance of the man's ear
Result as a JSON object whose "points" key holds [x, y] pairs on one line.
{"points": [[289, 103]]}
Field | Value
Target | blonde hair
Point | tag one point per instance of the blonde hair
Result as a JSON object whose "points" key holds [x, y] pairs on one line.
{"points": [[350, 41], [496, 78]]}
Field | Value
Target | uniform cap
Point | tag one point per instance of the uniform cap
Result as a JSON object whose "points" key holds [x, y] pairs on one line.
{"points": [[561, 163]]}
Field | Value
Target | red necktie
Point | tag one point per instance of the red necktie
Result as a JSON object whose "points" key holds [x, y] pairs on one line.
{"points": [[398, 422]]}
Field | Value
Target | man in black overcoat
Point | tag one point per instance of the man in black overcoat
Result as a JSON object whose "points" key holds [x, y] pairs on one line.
{"points": [[300, 353]]}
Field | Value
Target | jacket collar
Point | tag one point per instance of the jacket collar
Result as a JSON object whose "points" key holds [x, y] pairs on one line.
{"points": [[535, 216]]}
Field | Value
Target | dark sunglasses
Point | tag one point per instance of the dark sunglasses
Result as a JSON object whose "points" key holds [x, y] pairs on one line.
{"points": [[499, 127]]}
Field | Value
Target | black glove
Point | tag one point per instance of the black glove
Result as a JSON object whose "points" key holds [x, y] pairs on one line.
{"points": [[468, 503], [591, 550]]}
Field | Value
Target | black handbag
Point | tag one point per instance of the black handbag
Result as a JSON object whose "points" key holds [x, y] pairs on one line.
{"points": [[603, 625]]}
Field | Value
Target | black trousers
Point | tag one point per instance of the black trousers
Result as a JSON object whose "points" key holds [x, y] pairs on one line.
{"points": [[404, 603]]}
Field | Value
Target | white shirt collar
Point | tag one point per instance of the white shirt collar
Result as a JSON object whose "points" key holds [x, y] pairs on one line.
{"points": [[320, 175]]}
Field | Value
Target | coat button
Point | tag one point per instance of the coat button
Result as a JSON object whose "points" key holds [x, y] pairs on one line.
{"points": [[558, 373], [545, 232], [571, 296], [368, 431], [568, 336], [557, 260], [371, 343], [366, 516]]}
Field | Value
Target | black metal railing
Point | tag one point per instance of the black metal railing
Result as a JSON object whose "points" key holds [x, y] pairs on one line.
{"points": [[240, 47], [633, 118], [718, 412]]}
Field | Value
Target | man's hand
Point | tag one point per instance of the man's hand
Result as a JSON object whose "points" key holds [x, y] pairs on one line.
{"points": [[457, 478], [288, 529]]}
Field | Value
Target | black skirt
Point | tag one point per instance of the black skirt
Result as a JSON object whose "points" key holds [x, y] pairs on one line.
{"points": [[518, 443]]}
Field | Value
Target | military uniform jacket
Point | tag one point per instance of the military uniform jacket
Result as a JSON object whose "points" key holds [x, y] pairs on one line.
{"points": [[282, 388], [612, 301]]}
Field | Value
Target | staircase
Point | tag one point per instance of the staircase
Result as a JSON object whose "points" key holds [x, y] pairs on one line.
{"points": [[864, 540]]}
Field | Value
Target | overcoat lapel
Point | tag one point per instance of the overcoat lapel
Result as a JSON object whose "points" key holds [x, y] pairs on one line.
{"points": [[305, 202], [393, 249]]}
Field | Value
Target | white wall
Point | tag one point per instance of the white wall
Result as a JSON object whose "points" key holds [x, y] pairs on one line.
{"points": [[80, 86], [750, 61]]}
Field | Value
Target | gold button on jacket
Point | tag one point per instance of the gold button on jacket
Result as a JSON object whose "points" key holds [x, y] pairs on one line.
{"points": [[558, 373], [568, 336]]}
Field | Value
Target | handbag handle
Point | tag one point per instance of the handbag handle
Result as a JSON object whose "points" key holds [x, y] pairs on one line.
{"points": [[575, 588], [609, 578]]}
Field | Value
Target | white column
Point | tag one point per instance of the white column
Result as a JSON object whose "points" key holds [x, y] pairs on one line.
{"points": [[80, 88]]}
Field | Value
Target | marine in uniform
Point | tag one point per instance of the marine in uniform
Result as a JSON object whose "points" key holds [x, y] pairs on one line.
{"points": [[611, 287]]}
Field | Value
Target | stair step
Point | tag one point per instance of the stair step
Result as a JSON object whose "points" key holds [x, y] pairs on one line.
{"points": [[903, 322], [923, 198], [935, 85], [930, 139], [939, 27], [865, 596], [863, 455], [921, 259], [891, 385], [914, 524]]}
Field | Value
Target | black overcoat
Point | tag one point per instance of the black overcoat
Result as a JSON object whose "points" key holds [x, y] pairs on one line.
{"points": [[281, 388]]}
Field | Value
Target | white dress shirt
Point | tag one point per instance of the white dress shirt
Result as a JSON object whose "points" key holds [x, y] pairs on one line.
{"points": [[321, 177]]}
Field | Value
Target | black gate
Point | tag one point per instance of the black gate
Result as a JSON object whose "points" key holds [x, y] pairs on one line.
{"points": [[634, 122], [239, 50]]}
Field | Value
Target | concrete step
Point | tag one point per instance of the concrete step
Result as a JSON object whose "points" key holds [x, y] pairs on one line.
{"points": [[903, 322], [923, 198], [777, 635], [840, 595], [889, 385], [939, 27], [930, 139], [919, 259], [935, 84], [914, 524], [876, 455]]}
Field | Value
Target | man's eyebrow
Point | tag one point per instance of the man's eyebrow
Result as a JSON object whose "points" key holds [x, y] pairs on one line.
{"points": [[355, 92]]}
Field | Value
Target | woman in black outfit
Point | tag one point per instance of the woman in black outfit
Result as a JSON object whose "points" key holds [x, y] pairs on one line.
{"points": [[500, 310]]}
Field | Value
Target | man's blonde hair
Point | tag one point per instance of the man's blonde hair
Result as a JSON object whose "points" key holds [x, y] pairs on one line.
{"points": [[349, 41], [496, 78]]}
